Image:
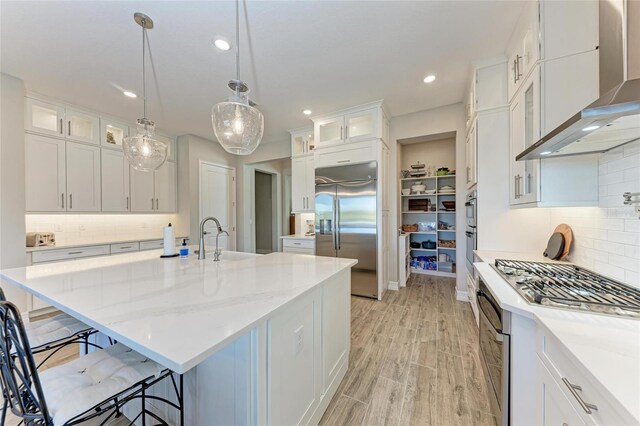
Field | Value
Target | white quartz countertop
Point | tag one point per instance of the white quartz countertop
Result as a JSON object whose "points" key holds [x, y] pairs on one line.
{"points": [[176, 311], [94, 243], [299, 237], [606, 347]]}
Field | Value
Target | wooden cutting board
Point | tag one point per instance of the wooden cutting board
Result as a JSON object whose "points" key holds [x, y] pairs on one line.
{"points": [[565, 230]]}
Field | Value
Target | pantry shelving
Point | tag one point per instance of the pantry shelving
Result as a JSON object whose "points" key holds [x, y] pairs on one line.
{"points": [[429, 219]]}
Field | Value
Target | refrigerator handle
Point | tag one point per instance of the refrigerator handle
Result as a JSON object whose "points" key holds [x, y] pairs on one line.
{"points": [[338, 222], [334, 231]]}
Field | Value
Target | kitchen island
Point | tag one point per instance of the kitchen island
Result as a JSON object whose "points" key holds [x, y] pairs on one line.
{"points": [[259, 339]]}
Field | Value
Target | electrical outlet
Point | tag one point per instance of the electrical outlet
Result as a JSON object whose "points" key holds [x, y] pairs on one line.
{"points": [[298, 337]]}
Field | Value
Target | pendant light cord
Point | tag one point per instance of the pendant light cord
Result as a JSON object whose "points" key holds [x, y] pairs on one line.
{"points": [[144, 74], [238, 44]]}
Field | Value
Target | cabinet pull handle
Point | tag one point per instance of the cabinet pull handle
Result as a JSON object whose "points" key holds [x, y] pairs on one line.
{"points": [[157, 205], [340, 132], [62, 197], [529, 182], [515, 186], [70, 201], [127, 203], [517, 65], [343, 161], [75, 252], [346, 132], [152, 204], [61, 127], [587, 407], [69, 129], [124, 247]]}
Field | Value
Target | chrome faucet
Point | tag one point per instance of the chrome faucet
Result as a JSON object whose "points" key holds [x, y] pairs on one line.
{"points": [[201, 250]]}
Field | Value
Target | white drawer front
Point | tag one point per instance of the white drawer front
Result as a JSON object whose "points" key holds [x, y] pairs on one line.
{"points": [[151, 245], [351, 153], [298, 250], [299, 243], [124, 247], [69, 254]]}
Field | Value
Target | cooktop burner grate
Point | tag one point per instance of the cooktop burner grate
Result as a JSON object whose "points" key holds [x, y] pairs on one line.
{"points": [[569, 286]]}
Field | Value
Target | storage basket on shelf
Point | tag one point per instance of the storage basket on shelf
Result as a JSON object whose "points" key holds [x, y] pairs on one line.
{"points": [[447, 243], [422, 205], [410, 228]]}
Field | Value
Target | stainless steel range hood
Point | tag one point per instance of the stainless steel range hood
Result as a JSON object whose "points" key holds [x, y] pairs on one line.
{"points": [[614, 118]]}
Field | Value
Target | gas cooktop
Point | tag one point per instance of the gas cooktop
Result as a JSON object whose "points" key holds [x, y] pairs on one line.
{"points": [[567, 286]]}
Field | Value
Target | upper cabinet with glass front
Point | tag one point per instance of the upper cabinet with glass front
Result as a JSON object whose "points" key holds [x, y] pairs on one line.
{"points": [[302, 142], [356, 124], [56, 120], [112, 133]]}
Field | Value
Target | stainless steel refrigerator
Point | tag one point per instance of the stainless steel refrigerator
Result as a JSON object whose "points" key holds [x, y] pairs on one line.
{"points": [[345, 224]]}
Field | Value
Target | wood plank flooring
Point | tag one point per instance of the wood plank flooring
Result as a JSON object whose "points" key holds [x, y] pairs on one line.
{"points": [[414, 361]]}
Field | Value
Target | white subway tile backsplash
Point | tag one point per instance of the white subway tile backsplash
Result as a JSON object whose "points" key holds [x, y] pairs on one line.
{"points": [[607, 239]]}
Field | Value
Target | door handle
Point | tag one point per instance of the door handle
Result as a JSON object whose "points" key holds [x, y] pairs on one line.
{"points": [[587, 407], [62, 197], [61, 127], [70, 201], [157, 204], [127, 203], [69, 128], [152, 204]]}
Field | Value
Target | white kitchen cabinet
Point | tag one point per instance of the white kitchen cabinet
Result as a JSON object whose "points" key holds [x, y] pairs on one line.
{"points": [[490, 88], [523, 50], [171, 146], [568, 27], [552, 406], [142, 191], [302, 142], [83, 178], [44, 117], [165, 188], [45, 174], [154, 191], [82, 127], [525, 130], [361, 125], [353, 153], [292, 244], [383, 182], [112, 133], [303, 189], [355, 124], [115, 182], [471, 157]]}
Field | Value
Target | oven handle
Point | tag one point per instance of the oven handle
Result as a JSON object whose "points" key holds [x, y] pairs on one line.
{"points": [[496, 333], [468, 234], [469, 204]]}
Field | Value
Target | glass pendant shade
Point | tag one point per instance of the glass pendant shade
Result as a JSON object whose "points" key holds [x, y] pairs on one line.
{"points": [[237, 125], [143, 151]]}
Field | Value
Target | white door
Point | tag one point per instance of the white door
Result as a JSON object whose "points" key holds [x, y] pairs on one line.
{"points": [[115, 182], [43, 117], [82, 127], [299, 184], [45, 174], [310, 182], [218, 199], [142, 191], [83, 178], [165, 188]]}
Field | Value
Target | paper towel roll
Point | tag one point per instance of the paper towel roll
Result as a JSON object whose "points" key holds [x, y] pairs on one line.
{"points": [[169, 241]]}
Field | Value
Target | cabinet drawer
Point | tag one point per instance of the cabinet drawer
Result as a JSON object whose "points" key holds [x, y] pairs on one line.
{"points": [[299, 243], [352, 153], [68, 254], [124, 247], [298, 250], [151, 245], [553, 355]]}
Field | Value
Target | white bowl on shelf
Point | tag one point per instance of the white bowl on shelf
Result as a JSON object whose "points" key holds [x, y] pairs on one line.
{"points": [[418, 188], [406, 191]]}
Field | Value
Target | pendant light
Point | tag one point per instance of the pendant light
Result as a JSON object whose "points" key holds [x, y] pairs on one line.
{"points": [[143, 151], [237, 124]]}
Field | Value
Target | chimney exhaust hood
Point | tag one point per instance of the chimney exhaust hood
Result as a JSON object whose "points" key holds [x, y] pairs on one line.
{"points": [[614, 118]]}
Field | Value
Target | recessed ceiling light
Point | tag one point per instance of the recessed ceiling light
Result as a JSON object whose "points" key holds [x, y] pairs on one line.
{"points": [[129, 94], [545, 153], [430, 78], [307, 112], [222, 44], [590, 128]]}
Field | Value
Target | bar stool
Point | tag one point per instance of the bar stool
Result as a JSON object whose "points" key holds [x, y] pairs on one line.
{"points": [[88, 387], [54, 333]]}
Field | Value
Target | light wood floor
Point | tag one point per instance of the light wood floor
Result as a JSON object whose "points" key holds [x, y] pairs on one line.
{"points": [[414, 361]]}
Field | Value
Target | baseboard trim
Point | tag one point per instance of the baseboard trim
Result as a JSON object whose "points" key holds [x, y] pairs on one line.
{"points": [[393, 285], [462, 296]]}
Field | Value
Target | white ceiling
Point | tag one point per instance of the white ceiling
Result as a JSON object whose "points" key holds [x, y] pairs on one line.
{"points": [[321, 55]]}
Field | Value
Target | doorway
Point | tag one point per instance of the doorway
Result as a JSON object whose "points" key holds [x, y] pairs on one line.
{"points": [[265, 212]]}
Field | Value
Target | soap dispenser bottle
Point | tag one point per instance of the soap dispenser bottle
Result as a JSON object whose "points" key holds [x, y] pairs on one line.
{"points": [[184, 248]]}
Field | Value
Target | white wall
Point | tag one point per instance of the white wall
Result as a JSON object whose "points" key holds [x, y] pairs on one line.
{"points": [[445, 119], [73, 229], [12, 178], [607, 239], [437, 153]]}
